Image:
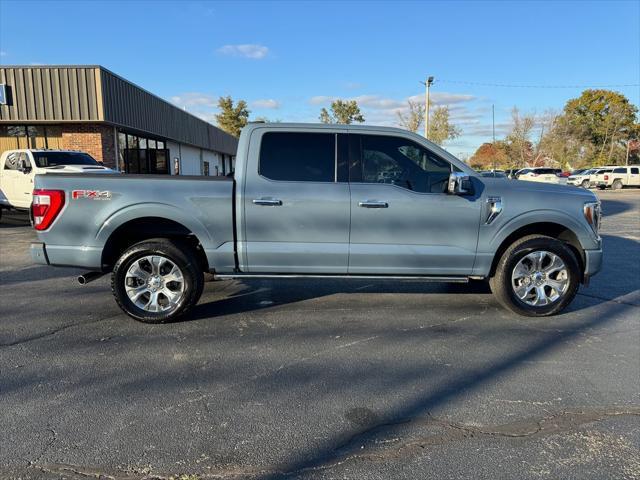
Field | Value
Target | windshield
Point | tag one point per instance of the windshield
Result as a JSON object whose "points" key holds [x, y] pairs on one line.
{"points": [[53, 159]]}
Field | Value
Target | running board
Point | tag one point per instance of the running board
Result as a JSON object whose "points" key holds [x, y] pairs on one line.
{"points": [[229, 276]]}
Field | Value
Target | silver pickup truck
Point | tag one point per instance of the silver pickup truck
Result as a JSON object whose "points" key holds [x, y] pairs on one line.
{"points": [[320, 201]]}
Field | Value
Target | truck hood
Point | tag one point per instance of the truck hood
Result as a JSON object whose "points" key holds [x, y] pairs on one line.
{"points": [[78, 169], [524, 187]]}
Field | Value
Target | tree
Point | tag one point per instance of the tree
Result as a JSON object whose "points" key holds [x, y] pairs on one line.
{"points": [[490, 155], [413, 119], [440, 128], [232, 118], [342, 111], [603, 119], [518, 139]]}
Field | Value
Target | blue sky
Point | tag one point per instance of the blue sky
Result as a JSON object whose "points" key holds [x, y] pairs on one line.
{"points": [[289, 59]]}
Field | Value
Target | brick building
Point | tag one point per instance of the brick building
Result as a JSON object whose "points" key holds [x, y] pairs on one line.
{"points": [[91, 109]]}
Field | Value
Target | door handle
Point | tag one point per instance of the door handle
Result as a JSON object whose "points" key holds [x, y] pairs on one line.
{"points": [[373, 204], [268, 202]]}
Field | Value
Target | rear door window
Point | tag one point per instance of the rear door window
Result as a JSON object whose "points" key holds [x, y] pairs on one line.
{"points": [[620, 170], [298, 156]]}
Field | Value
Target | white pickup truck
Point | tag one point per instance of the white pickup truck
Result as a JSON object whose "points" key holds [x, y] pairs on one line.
{"points": [[621, 177], [18, 168]]}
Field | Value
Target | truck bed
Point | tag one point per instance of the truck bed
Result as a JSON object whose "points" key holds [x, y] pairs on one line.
{"points": [[102, 204]]}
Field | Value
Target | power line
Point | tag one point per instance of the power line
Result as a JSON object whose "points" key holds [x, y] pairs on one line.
{"points": [[507, 85]]}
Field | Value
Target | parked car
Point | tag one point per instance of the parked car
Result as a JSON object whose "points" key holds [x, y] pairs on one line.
{"points": [[309, 201], [510, 173], [541, 174], [18, 168], [493, 173], [621, 177], [597, 179], [581, 178]]}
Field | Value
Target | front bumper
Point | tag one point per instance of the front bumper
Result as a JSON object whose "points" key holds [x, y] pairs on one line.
{"points": [[592, 263]]}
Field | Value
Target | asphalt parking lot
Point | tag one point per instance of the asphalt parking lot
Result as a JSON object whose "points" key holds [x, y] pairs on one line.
{"points": [[321, 379]]}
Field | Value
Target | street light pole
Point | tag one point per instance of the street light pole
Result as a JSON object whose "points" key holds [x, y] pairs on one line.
{"points": [[427, 104]]}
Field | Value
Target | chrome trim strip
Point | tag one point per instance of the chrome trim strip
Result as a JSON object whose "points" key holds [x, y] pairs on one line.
{"points": [[226, 276]]}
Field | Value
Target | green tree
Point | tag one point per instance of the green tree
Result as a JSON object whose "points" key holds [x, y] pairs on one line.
{"points": [[440, 127], [413, 118], [232, 118], [342, 111], [604, 120]]}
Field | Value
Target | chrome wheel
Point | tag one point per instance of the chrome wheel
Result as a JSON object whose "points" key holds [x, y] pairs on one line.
{"points": [[155, 284], [540, 278]]}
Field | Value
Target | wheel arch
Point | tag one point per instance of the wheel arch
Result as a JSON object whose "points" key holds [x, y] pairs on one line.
{"points": [[550, 229], [136, 230]]}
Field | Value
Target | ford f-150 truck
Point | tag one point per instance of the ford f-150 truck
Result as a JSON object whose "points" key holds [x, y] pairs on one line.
{"points": [[326, 201]]}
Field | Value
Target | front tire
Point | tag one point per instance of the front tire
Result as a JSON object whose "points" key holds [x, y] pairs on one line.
{"points": [[157, 280], [537, 276], [585, 184]]}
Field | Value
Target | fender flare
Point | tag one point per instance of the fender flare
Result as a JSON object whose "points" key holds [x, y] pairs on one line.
{"points": [[586, 238], [154, 209]]}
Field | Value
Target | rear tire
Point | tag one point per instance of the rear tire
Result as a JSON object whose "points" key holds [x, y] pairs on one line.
{"points": [[617, 185], [157, 280], [519, 283], [585, 184]]}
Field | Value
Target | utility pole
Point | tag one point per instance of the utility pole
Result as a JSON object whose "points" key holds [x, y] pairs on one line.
{"points": [[427, 104], [493, 129]]}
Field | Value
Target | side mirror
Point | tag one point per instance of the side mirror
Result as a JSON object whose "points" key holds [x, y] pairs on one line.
{"points": [[23, 167], [459, 184]]}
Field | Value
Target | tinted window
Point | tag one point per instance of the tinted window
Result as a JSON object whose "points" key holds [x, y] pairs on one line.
{"points": [[619, 170], [298, 157], [398, 161], [53, 159], [635, 171]]}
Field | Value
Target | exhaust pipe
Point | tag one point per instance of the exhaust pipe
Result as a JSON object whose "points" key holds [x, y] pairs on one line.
{"points": [[89, 277]]}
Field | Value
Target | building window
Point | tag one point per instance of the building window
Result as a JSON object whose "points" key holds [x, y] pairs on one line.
{"points": [[30, 136], [206, 169], [142, 155]]}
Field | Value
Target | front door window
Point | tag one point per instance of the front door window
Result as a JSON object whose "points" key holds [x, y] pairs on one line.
{"points": [[398, 161]]}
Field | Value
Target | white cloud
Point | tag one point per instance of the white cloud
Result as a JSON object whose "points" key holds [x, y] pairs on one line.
{"points": [[265, 103], [253, 51], [194, 99], [320, 99]]}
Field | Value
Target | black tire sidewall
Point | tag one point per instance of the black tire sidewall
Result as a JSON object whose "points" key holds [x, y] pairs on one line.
{"points": [[536, 244], [176, 253], [617, 185], [585, 184]]}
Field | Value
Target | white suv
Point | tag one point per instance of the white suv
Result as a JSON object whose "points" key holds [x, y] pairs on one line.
{"points": [[621, 177], [582, 179], [541, 174]]}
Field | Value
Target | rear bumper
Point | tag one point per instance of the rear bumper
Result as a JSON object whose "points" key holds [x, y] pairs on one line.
{"points": [[592, 264], [65, 256], [38, 253]]}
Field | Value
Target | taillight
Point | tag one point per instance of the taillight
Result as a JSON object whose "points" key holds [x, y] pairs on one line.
{"points": [[46, 206], [606, 177]]}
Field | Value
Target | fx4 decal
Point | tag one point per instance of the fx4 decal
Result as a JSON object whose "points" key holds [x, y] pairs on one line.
{"points": [[91, 194]]}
